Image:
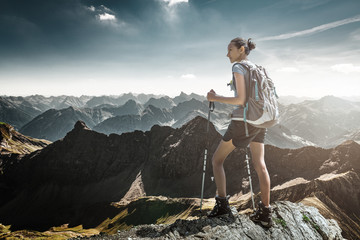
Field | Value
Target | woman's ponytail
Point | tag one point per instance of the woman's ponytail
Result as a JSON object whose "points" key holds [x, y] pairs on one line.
{"points": [[250, 44]]}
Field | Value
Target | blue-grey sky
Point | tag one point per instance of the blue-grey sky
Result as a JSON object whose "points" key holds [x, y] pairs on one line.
{"points": [[102, 47]]}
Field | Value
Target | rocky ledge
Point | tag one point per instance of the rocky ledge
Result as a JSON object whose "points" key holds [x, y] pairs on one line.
{"points": [[13, 142], [291, 221]]}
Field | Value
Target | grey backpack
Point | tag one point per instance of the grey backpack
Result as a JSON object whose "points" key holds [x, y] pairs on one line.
{"points": [[261, 107]]}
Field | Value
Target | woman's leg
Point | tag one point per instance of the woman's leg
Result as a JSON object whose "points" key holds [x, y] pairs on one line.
{"points": [[222, 151], [258, 154]]}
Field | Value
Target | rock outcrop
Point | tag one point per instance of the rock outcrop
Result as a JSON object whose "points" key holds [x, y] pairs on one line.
{"points": [[12, 142], [336, 196], [291, 221]]}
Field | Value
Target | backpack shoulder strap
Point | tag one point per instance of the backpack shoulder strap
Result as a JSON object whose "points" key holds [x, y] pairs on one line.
{"points": [[247, 80]]}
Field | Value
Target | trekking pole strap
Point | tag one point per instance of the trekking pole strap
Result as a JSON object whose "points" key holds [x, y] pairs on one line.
{"points": [[246, 127]]}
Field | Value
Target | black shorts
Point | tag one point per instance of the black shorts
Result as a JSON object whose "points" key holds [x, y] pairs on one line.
{"points": [[236, 132]]}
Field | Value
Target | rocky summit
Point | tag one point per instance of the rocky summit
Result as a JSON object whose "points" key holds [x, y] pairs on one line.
{"points": [[291, 221]]}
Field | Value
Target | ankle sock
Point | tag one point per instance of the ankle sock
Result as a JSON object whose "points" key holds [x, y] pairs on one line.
{"points": [[220, 197]]}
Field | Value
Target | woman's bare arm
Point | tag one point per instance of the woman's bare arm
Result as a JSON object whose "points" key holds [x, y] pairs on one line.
{"points": [[241, 93]]}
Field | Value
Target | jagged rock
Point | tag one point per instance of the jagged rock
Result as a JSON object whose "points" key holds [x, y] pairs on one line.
{"points": [[80, 125], [291, 221], [136, 189], [328, 194]]}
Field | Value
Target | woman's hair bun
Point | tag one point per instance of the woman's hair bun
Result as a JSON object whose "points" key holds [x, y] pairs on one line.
{"points": [[250, 44], [239, 42]]}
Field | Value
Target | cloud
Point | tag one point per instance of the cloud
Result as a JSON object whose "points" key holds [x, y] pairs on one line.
{"points": [[171, 9], [91, 8], [309, 4], [106, 8], [288, 70], [174, 2], [104, 13], [313, 30], [346, 68], [106, 17], [188, 76]]}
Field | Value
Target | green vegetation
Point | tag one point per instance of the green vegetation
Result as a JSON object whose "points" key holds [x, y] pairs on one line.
{"points": [[55, 233], [280, 221], [4, 229], [147, 211], [76, 229], [2, 123], [307, 219]]}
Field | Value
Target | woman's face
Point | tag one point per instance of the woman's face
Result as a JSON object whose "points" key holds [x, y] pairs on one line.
{"points": [[234, 54]]}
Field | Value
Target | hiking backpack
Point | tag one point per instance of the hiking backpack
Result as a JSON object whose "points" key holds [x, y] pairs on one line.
{"points": [[261, 107]]}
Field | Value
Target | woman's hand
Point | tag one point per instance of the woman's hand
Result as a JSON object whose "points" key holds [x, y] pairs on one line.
{"points": [[211, 96]]}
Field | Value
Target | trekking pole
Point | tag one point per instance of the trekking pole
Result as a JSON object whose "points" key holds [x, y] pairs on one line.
{"points": [[248, 169], [211, 109]]}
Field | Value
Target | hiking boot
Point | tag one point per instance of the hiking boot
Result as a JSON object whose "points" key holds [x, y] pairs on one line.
{"points": [[262, 215], [221, 207]]}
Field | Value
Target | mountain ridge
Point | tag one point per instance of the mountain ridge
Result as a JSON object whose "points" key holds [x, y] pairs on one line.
{"points": [[96, 169]]}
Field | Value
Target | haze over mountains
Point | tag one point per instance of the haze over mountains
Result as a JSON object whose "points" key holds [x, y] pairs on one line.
{"points": [[326, 122]]}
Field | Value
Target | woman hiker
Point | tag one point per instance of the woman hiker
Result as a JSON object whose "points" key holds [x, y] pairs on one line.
{"points": [[235, 136]]}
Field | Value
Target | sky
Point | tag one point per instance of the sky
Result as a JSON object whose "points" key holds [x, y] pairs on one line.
{"points": [[109, 47]]}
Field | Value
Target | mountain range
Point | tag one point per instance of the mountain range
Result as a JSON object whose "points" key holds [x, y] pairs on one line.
{"points": [[18, 111], [322, 121], [79, 178]]}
